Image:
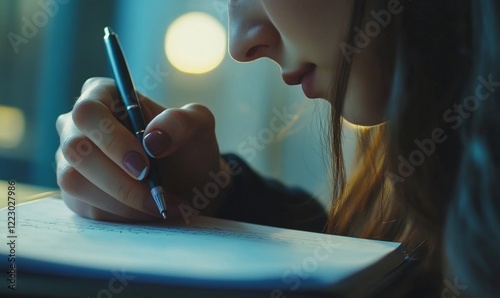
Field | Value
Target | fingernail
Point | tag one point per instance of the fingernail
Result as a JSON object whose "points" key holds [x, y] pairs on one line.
{"points": [[156, 142], [136, 164]]}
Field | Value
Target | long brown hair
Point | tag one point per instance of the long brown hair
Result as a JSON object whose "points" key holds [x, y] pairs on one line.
{"points": [[432, 65], [472, 234]]}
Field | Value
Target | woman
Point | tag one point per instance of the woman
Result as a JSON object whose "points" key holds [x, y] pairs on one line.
{"points": [[419, 78]]}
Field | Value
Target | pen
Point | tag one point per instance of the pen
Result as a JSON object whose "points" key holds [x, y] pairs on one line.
{"points": [[130, 100]]}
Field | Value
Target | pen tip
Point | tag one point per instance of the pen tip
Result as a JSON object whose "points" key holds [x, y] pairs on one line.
{"points": [[159, 197]]}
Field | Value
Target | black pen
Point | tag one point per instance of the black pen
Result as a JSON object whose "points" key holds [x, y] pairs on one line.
{"points": [[131, 101]]}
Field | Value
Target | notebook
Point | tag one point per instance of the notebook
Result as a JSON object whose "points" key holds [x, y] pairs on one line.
{"points": [[60, 254]]}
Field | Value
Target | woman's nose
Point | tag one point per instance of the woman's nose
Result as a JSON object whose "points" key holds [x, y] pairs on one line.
{"points": [[251, 36]]}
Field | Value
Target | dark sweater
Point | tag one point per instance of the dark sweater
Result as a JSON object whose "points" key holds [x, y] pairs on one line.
{"points": [[254, 199]]}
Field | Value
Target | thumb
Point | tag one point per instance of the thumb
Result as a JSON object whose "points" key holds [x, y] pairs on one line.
{"points": [[173, 128]]}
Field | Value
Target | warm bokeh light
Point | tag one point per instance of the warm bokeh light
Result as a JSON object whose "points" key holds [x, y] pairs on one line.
{"points": [[195, 43], [13, 124]]}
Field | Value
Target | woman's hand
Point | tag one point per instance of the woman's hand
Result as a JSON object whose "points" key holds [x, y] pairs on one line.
{"points": [[100, 162]]}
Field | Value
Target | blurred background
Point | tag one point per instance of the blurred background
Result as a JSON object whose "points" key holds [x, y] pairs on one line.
{"points": [[177, 52]]}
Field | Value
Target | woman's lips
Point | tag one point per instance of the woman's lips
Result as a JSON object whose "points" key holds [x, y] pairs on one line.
{"points": [[308, 84], [305, 76]]}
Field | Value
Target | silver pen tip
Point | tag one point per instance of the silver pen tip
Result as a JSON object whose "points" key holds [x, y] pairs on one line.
{"points": [[159, 197]]}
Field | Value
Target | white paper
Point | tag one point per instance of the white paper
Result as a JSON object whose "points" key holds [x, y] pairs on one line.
{"points": [[208, 251]]}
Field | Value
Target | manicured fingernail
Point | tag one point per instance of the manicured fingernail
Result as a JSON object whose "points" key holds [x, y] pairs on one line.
{"points": [[136, 164], [155, 143]]}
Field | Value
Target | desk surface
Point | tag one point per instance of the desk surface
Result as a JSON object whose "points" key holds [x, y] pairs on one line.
{"points": [[25, 192], [36, 285]]}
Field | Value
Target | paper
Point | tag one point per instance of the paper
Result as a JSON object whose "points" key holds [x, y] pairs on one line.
{"points": [[208, 252]]}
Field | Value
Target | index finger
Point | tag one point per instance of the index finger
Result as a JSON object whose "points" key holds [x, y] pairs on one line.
{"points": [[104, 90], [95, 114]]}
